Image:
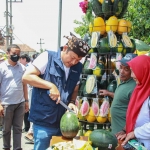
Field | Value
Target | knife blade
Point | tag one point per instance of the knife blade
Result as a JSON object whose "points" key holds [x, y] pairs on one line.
{"points": [[63, 104]]}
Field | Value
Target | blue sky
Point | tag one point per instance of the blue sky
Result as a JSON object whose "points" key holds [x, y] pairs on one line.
{"points": [[35, 19]]}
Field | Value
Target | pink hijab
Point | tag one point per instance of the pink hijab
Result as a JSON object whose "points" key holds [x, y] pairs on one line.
{"points": [[141, 67]]}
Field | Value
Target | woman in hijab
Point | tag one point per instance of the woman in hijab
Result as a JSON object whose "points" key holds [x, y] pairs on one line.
{"points": [[138, 113]]}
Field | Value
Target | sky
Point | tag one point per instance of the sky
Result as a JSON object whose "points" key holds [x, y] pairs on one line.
{"points": [[38, 19]]}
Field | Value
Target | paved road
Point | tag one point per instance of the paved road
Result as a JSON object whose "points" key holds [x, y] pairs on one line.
{"points": [[25, 144]]}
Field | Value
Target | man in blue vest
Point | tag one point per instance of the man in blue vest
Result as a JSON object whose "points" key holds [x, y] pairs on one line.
{"points": [[58, 72]]}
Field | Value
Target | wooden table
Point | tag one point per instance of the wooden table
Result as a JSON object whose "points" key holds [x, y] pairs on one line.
{"points": [[56, 139]]}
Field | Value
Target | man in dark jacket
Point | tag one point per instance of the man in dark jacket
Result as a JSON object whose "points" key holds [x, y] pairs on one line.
{"points": [[59, 73]]}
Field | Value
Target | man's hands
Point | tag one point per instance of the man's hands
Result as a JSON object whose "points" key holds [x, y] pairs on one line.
{"points": [[1, 111], [129, 136], [103, 92], [121, 135], [73, 107], [26, 107], [54, 93]]}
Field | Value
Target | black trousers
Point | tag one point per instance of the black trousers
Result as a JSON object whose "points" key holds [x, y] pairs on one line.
{"points": [[26, 122]]}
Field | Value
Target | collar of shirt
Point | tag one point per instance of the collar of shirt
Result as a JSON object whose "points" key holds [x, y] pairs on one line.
{"points": [[122, 82], [8, 64]]}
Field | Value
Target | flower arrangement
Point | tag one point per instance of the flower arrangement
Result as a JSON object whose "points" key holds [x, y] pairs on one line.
{"points": [[87, 9], [84, 6], [83, 26]]}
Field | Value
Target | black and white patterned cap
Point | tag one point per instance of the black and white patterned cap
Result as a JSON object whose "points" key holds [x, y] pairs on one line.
{"points": [[78, 46]]}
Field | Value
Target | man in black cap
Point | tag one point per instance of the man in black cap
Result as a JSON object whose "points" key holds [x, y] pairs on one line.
{"points": [[122, 95], [59, 73]]}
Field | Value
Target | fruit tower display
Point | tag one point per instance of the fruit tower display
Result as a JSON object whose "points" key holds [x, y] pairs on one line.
{"points": [[107, 36]]}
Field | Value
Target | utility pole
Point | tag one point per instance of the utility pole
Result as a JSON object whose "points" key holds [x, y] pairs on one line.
{"points": [[41, 43], [59, 24], [9, 26]]}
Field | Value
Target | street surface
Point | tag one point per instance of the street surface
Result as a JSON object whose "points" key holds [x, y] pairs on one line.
{"points": [[25, 144]]}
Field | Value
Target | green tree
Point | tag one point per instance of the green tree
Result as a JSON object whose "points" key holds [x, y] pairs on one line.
{"points": [[139, 14]]}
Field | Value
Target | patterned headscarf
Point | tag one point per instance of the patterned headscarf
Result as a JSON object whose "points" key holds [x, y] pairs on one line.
{"points": [[78, 46]]}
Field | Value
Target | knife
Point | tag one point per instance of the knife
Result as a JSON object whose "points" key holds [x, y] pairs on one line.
{"points": [[63, 104]]}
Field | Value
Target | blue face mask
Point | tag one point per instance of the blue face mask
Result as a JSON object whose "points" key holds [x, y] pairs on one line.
{"points": [[14, 57]]}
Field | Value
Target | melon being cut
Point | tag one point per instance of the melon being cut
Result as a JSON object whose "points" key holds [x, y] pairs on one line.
{"points": [[95, 108], [84, 108]]}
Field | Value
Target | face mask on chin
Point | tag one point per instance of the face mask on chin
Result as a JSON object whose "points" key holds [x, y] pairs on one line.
{"points": [[14, 58]]}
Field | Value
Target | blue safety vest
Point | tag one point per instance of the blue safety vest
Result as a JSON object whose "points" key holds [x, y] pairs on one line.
{"points": [[44, 111]]}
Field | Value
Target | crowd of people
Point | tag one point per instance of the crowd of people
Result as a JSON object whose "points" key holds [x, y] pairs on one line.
{"points": [[24, 86]]}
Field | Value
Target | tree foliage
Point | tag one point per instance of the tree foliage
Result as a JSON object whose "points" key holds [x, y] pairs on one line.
{"points": [[139, 14]]}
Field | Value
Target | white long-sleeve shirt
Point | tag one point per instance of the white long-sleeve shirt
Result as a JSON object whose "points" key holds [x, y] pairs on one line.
{"points": [[142, 126]]}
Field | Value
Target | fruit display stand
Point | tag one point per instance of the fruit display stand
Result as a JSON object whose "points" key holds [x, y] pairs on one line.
{"points": [[109, 41]]}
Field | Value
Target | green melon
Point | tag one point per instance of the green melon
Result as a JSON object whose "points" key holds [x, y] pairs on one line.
{"points": [[103, 45], [81, 87], [85, 69], [69, 125], [117, 7], [107, 8], [124, 9], [103, 139], [97, 8], [112, 86]]}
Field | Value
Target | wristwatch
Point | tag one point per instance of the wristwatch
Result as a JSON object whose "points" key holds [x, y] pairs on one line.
{"points": [[26, 100]]}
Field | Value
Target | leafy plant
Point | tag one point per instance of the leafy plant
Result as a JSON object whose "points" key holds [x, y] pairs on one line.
{"points": [[83, 26]]}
